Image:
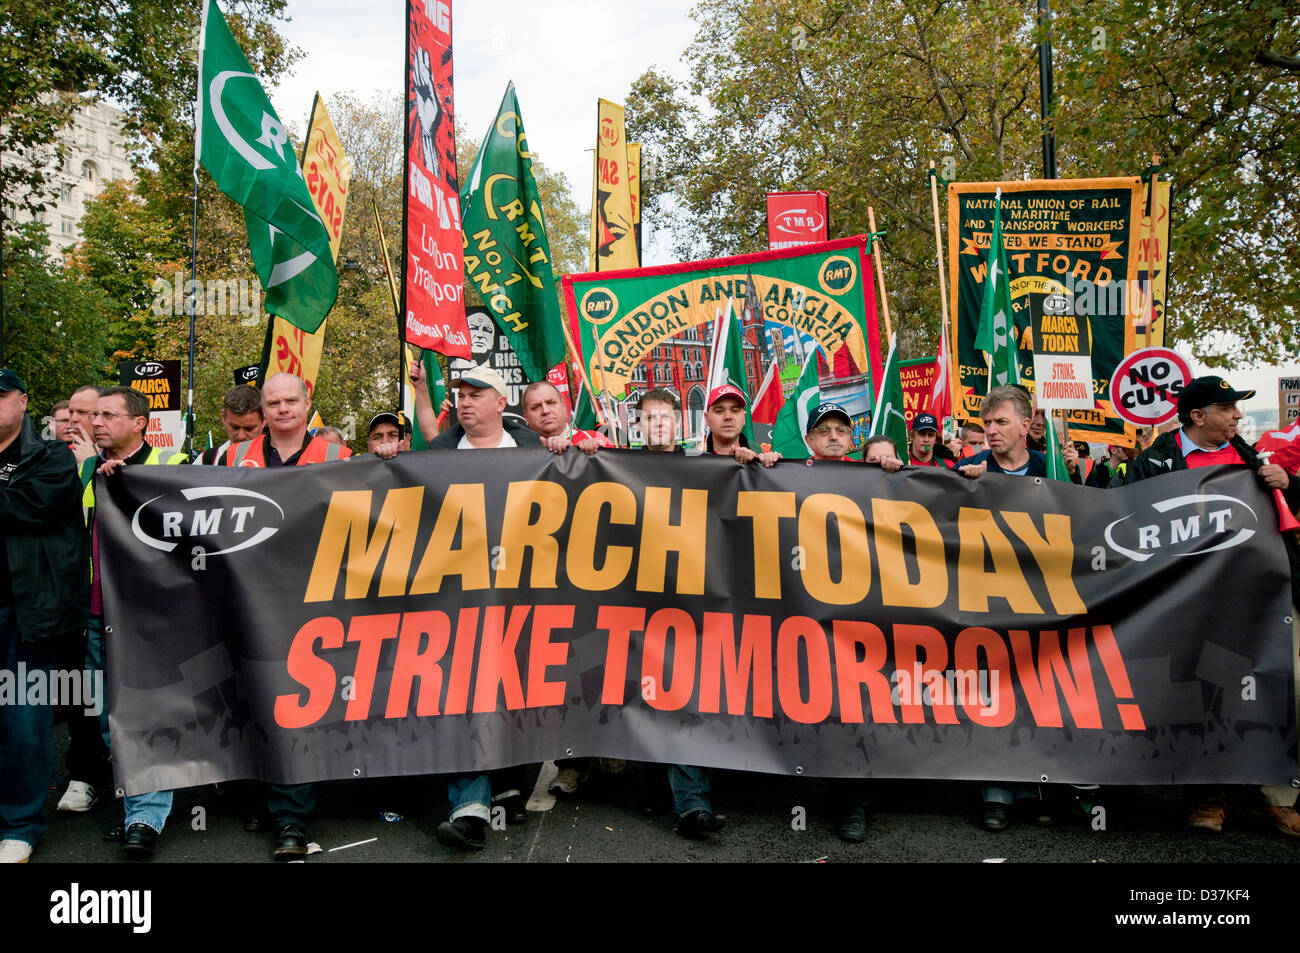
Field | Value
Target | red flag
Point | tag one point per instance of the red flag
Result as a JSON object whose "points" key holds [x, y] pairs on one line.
{"points": [[941, 394], [1284, 446], [770, 398]]}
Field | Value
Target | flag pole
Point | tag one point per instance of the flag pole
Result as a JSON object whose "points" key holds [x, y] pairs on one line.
{"points": [[1149, 296], [194, 233], [944, 327], [880, 273]]}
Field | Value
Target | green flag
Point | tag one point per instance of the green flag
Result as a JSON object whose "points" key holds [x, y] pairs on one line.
{"points": [[727, 361], [437, 386], [792, 419], [888, 418], [1056, 468], [507, 255], [584, 411], [246, 149], [996, 334]]}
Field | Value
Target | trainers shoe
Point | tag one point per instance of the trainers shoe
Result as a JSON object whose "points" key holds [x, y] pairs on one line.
{"points": [[78, 798], [566, 782], [1208, 817], [1286, 820], [14, 851], [464, 833]]}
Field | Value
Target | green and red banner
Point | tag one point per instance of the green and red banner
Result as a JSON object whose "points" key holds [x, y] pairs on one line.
{"points": [[825, 291]]}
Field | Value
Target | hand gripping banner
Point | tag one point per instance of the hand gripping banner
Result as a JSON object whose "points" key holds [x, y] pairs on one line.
{"points": [[451, 612]]}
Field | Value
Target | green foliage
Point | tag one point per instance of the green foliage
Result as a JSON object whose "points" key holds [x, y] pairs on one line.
{"points": [[54, 322], [859, 98]]}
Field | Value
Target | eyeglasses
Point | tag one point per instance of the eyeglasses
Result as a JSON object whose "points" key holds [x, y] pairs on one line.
{"points": [[828, 431], [110, 416]]}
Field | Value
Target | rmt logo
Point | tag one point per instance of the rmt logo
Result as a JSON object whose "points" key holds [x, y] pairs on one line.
{"points": [[228, 519], [149, 369], [1183, 526]]}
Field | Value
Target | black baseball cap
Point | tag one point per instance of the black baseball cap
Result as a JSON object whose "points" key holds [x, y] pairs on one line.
{"points": [[924, 422], [386, 417], [827, 410], [11, 381], [1203, 391]]}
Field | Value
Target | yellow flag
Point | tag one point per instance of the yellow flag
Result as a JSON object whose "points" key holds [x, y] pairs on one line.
{"points": [[613, 218], [1153, 250], [327, 171]]}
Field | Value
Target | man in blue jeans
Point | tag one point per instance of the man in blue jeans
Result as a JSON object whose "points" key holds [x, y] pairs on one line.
{"points": [[44, 582], [121, 418]]}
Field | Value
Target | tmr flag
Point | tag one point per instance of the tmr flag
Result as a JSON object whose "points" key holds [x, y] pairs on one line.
{"points": [[507, 254], [245, 148]]}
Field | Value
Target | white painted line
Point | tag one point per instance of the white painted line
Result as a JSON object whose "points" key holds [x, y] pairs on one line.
{"points": [[542, 800], [357, 844]]}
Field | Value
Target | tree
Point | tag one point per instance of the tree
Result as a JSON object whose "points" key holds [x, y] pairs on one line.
{"points": [[55, 321], [858, 98], [55, 52]]}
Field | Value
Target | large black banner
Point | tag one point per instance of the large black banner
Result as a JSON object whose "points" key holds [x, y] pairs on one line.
{"points": [[451, 611]]}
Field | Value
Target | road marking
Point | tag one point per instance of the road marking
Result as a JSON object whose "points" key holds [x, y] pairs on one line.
{"points": [[357, 844], [541, 799]]}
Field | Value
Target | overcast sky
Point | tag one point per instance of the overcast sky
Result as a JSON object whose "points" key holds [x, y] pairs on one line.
{"points": [[562, 55]]}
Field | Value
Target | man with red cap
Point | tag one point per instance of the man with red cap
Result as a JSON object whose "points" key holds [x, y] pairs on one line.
{"points": [[725, 417]]}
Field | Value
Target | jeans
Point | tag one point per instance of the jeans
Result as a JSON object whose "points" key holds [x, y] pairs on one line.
{"points": [[87, 754], [290, 804], [151, 809], [25, 735], [470, 795], [1009, 791], [690, 789]]}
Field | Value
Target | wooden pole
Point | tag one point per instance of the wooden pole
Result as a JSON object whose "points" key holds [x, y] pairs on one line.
{"points": [[1149, 296], [880, 274], [945, 327]]}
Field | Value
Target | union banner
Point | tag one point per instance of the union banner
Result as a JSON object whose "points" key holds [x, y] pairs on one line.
{"points": [[1072, 249], [446, 612]]}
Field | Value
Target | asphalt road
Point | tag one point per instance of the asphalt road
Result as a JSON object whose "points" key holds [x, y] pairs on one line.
{"points": [[769, 819]]}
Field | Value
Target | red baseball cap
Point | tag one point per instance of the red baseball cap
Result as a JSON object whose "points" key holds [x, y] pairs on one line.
{"points": [[726, 390]]}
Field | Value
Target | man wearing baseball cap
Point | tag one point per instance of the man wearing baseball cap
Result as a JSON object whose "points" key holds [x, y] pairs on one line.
{"points": [[725, 417], [385, 427], [923, 445], [44, 589], [1208, 413], [830, 433], [480, 421]]}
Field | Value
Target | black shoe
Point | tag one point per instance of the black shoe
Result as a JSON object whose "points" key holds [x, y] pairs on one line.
{"points": [[139, 842], [854, 826], [256, 824], [516, 811], [464, 833], [698, 823], [114, 835], [290, 842], [995, 816]]}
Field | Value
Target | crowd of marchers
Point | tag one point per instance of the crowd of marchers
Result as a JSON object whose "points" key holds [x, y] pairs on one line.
{"points": [[52, 611]]}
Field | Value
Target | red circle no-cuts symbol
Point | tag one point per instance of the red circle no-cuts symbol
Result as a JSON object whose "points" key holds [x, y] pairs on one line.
{"points": [[1146, 385]]}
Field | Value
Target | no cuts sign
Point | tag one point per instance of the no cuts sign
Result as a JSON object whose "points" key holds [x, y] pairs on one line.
{"points": [[1146, 386]]}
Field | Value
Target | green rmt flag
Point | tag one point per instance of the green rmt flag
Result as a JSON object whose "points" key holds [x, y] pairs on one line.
{"points": [[996, 334], [246, 149], [507, 255], [792, 419], [887, 417]]}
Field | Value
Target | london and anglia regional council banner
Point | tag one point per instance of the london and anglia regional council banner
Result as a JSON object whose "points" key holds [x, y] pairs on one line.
{"points": [[448, 612], [825, 291], [1072, 247]]}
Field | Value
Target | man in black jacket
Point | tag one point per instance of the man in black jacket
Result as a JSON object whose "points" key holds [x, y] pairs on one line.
{"points": [[44, 589], [1207, 410]]}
